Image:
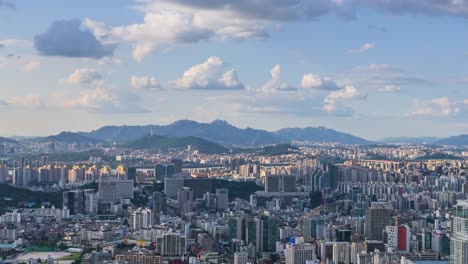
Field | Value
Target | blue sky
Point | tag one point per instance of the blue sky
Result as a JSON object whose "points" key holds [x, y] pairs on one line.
{"points": [[372, 68]]}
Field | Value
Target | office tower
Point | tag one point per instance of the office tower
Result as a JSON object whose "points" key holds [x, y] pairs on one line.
{"points": [[309, 227], [113, 189], [299, 254], [159, 205], [142, 218], [378, 216], [91, 201], [343, 235], [251, 231], [4, 171], [280, 183], [267, 233], [185, 200], [288, 183], [332, 171], [272, 183], [237, 228], [164, 171], [241, 258], [177, 165], [222, 199], [172, 186], [131, 173], [459, 238], [171, 245], [341, 252], [74, 201]]}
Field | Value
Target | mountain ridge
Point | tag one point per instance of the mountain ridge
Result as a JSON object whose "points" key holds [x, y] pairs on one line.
{"points": [[165, 143]]}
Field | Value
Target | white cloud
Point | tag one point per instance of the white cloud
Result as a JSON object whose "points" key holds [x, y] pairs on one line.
{"points": [[438, 107], [312, 81], [209, 75], [390, 89], [171, 22], [103, 98], [144, 82], [273, 84], [465, 101], [347, 93], [84, 76], [363, 48]]}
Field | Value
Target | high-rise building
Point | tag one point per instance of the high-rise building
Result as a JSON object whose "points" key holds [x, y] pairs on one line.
{"points": [[159, 205], [267, 233], [177, 165], [172, 186], [131, 173], [171, 244], [280, 183], [309, 227], [222, 199], [341, 252], [378, 216], [299, 253], [114, 189], [185, 200], [459, 238], [74, 201], [164, 171], [142, 218]]}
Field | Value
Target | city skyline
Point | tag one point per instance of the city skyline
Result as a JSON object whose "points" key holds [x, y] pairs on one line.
{"points": [[373, 69]]}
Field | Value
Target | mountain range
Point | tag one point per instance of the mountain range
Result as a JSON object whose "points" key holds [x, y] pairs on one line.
{"points": [[223, 133]]}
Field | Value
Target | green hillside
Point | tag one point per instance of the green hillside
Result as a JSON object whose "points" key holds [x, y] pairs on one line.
{"points": [[165, 143], [11, 196]]}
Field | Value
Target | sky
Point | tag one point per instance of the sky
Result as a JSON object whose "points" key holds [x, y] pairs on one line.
{"points": [[373, 68]]}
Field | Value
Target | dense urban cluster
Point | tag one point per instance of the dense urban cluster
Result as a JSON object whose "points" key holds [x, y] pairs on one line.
{"points": [[314, 203]]}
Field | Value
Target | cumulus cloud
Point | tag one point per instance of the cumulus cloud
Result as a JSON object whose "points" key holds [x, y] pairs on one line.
{"points": [[438, 107], [66, 38], [171, 22], [209, 76], [84, 76], [104, 98], [390, 89], [144, 82], [363, 48], [274, 83], [312, 81], [347, 93]]}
